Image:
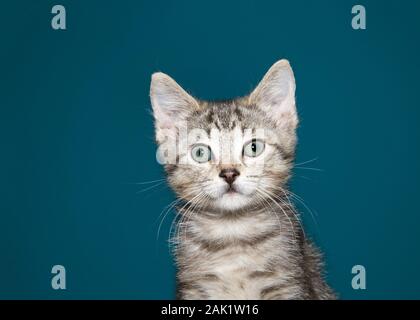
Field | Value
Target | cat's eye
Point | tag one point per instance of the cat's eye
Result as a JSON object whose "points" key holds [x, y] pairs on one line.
{"points": [[253, 148], [201, 153]]}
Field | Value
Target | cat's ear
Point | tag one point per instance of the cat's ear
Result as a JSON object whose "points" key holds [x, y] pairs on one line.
{"points": [[275, 94], [170, 103]]}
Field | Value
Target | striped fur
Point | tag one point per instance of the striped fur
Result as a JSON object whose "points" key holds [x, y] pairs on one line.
{"points": [[249, 243]]}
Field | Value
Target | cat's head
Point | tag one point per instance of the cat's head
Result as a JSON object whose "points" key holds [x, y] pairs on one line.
{"points": [[227, 155]]}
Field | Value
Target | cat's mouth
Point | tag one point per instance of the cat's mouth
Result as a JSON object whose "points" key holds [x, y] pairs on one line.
{"points": [[231, 190]]}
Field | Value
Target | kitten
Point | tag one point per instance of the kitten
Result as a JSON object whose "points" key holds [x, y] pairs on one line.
{"points": [[239, 236]]}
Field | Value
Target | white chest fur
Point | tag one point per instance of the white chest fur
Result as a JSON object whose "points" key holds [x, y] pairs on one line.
{"points": [[238, 258]]}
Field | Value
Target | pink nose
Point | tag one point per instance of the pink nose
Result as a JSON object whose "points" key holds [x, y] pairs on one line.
{"points": [[229, 174]]}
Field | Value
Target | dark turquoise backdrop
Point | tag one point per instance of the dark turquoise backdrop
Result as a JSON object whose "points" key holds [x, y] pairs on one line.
{"points": [[76, 134]]}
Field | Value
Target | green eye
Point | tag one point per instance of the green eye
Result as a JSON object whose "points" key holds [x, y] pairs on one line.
{"points": [[253, 148], [201, 153]]}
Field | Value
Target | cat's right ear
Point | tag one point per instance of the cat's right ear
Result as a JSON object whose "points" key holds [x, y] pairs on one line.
{"points": [[170, 104]]}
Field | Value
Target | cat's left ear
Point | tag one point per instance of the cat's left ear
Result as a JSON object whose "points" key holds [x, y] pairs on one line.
{"points": [[275, 94]]}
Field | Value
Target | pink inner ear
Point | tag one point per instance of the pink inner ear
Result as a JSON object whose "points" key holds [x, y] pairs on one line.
{"points": [[163, 121], [171, 120], [170, 102], [275, 92]]}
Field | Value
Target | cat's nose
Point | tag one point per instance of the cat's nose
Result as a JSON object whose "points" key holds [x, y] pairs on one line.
{"points": [[229, 174]]}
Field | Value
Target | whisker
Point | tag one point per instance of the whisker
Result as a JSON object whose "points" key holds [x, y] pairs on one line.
{"points": [[145, 182], [305, 162], [151, 187], [308, 168], [184, 218], [297, 198], [280, 207], [191, 211], [169, 208], [289, 204], [305, 177], [262, 201]]}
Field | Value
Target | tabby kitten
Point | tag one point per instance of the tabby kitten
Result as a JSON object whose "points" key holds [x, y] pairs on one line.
{"points": [[239, 236]]}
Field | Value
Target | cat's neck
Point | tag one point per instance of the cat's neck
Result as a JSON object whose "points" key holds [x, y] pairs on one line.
{"points": [[218, 227]]}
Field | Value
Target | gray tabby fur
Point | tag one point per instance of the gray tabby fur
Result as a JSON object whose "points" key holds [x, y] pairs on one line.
{"points": [[247, 244]]}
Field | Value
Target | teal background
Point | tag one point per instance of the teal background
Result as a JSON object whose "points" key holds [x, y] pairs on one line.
{"points": [[76, 135]]}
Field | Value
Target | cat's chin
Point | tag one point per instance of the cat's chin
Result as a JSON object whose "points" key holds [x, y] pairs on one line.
{"points": [[232, 201]]}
